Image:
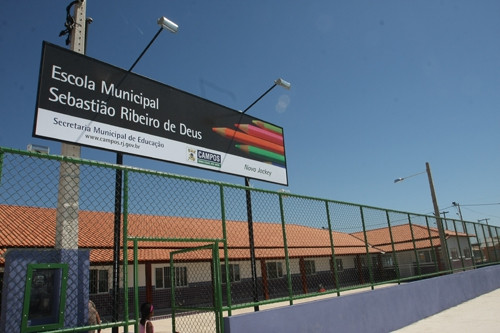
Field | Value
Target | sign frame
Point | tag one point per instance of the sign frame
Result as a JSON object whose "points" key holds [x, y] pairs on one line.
{"points": [[85, 101]]}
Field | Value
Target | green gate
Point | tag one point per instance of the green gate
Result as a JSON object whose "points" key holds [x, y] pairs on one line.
{"points": [[204, 314], [203, 311]]}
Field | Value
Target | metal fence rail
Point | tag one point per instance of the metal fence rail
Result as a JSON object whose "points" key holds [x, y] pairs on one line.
{"points": [[197, 249]]}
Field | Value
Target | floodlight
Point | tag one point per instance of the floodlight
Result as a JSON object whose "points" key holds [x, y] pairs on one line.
{"points": [[283, 83], [165, 23], [38, 149]]}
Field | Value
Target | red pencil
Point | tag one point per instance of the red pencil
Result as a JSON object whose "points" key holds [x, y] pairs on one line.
{"points": [[261, 133], [248, 139], [267, 126]]}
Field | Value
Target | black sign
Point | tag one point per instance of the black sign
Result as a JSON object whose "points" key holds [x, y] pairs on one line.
{"points": [[85, 101]]}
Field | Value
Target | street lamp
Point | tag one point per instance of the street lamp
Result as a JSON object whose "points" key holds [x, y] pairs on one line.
{"points": [[286, 85], [403, 178], [38, 149], [164, 23], [439, 223], [277, 82]]}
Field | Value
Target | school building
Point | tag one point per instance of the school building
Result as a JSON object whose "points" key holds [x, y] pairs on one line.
{"points": [[400, 252]]}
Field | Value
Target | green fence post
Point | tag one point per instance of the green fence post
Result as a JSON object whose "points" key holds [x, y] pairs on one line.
{"points": [[334, 263], [414, 247], [470, 245], [486, 244], [478, 243], [436, 266], [226, 256], [496, 231], [172, 288], [136, 285], [492, 242], [394, 256], [219, 317], [458, 244], [125, 249], [285, 245], [368, 255]]}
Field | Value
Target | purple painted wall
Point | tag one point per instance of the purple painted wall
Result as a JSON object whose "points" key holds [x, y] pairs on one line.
{"points": [[380, 310]]}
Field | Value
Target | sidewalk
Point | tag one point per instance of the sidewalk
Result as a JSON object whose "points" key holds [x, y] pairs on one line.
{"points": [[479, 314]]}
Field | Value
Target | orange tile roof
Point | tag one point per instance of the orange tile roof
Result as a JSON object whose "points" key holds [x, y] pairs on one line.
{"points": [[22, 226], [402, 237]]}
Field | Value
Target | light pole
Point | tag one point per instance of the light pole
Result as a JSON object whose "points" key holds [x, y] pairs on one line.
{"points": [[67, 216], [68, 192], [456, 204], [442, 237], [277, 82], [286, 85], [164, 23]]}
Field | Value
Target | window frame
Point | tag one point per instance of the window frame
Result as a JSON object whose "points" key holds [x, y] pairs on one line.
{"points": [[234, 273], [454, 254], [467, 253], [101, 282], [310, 267], [181, 277], [339, 265], [277, 270]]}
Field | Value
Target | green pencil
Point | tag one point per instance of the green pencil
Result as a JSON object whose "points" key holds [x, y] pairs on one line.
{"points": [[262, 153], [267, 126]]}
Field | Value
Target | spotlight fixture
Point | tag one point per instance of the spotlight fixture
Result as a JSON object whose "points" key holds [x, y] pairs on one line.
{"points": [[165, 23], [283, 83], [38, 149]]}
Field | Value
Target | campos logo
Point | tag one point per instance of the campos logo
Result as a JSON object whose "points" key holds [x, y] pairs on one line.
{"points": [[191, 155], [204, 157]]}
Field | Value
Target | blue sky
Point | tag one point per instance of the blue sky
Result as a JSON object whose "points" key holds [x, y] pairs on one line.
{"points": [[378, 87]]}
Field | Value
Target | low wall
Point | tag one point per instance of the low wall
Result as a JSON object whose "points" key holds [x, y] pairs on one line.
{"points": [[379, 310]]}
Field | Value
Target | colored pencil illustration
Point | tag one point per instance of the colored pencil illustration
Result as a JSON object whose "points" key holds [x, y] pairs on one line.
{"points": [[281, 165], [262, 153], [248, 139], [267, 126], [261, 133]]}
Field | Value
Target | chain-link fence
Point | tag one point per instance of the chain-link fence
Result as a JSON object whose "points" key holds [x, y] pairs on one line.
{"points": [[196, 249]]}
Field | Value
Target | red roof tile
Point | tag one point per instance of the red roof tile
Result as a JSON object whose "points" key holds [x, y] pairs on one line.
{"points": [[402, 237], [22, 226]]}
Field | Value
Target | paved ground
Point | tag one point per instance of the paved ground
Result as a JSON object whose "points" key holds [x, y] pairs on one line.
{"points": [[480, 314]]}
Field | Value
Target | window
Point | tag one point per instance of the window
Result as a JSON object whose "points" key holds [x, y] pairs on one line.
{"points": [[181, 277], [454, 254], [375, 261], [424, 256], [340, 265], [274, 270], [234, 273], [467, 253], [98, 281], [387, 261], [359, 260], [310, 267], [162, 277]]}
